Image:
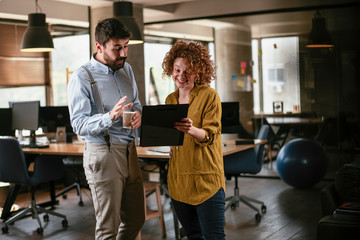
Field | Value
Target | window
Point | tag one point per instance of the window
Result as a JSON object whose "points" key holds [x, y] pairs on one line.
{"points": [[158, 88], [276, 75], [278, 79], [22, 94], [70, 53]]}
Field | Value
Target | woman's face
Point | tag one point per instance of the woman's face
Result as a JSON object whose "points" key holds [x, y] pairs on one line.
{"points": [[183, 77]]}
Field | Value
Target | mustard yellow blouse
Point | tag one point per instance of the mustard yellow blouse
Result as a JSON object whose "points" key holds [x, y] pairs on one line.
{"points": [[196, 170]]}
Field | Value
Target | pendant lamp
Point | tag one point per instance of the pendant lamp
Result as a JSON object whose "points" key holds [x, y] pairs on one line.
{"points": [[37, 37], [319, 37], [123, 11]]}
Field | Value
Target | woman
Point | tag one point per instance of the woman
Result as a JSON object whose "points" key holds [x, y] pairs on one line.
{"points": [[196, 176]]}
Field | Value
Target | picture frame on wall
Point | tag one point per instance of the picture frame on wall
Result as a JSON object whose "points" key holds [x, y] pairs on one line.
{"points": [[278, 107]]}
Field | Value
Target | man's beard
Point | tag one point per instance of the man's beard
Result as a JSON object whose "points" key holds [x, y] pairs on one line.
{"points": [[115, 64]]}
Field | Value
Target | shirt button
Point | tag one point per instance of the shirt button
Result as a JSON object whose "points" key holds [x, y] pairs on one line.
{"points": [[177, 147]]}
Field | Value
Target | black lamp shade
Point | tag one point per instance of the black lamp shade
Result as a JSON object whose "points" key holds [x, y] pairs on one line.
{"points": [[37, 37], [319, 37], [123, 11]]}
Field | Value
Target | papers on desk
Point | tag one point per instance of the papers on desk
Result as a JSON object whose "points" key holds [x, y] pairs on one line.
{"points": [[41, 142], [163, 149]]}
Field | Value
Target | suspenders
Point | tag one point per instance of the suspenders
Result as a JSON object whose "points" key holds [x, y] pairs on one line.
{"points": [[98, 102]]}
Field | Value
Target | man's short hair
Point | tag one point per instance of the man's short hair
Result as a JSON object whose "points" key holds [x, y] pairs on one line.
{"points": [[110, 28]]}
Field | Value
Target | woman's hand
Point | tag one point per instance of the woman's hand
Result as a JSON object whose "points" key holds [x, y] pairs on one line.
{"points": [[186, 126]]}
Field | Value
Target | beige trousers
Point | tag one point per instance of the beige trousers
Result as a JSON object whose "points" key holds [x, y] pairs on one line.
{"points": [[116, 185]]}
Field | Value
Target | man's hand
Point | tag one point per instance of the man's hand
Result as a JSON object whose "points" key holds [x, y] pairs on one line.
{"points": [[119, 108], [136, 121]]}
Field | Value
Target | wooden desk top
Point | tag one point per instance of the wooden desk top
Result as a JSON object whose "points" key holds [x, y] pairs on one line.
{"points": [[277, 115], [70, 149], [293, 121], [66, 149]]}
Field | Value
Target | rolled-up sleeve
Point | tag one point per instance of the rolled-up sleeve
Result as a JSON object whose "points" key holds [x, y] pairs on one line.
{"points": [[211, 119]]}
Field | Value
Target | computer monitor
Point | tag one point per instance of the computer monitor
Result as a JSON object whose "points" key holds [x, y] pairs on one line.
{"points": [[6, 122], [230, 120], [51, 117], [25, 115], [230, 114]]}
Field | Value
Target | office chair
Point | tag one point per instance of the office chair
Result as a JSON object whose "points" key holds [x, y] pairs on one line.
{"points": [[247, 161], [75, 165], [14, 169], [275, 140]]}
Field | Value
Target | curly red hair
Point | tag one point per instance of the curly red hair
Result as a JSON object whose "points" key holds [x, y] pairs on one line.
{"points": [[197, 58]]}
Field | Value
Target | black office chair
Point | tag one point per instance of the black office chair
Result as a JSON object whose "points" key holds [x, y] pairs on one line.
{"points": [[14, 169], [245, 162], [275, 140], [74, 166]]}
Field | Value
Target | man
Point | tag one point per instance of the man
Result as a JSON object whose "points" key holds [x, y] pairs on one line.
{"points": [[111, 167]]}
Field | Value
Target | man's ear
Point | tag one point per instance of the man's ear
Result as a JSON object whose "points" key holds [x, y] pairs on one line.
{"points": [[99, 47]]}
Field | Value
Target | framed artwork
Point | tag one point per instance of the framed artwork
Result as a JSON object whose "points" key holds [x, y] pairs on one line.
{"points": [[278, 107]]}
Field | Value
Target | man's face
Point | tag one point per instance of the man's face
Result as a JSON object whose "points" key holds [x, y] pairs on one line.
{"points": [[115, 52]]}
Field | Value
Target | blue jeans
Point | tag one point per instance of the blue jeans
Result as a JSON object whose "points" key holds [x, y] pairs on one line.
{"points": [[203, 221]]}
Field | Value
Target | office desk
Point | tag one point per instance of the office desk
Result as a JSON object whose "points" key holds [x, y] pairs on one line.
{"points": [[146, 153], [59, 149], [71, 149], [266, 115], [293, 121], [287, 124]]}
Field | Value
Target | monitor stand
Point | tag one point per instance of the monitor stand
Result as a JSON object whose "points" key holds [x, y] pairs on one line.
{"points": [[32, 142]]}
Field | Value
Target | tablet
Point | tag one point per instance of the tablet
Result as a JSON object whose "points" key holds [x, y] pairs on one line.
{"points": [[157, 125]]}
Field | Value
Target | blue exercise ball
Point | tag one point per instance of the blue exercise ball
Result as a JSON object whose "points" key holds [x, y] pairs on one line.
{"points": [[301, 163]]}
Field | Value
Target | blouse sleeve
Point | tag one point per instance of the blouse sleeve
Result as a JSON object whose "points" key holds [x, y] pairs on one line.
{"points": [[211, 122]]}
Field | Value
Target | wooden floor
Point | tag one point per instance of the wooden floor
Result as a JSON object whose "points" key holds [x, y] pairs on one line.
{"points": [[291, 214]]}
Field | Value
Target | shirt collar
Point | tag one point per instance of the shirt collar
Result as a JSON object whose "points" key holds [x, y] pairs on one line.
{"points": [[194, 92], [100, 66]]}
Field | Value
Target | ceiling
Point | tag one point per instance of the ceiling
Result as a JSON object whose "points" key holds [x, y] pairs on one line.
{"points": [[261, 15]]}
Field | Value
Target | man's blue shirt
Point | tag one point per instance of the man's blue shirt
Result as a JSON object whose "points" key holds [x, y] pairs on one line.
{"points": [[85, 119]]}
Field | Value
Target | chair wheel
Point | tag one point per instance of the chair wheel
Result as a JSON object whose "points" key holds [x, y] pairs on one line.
{"points": [[81, 203], [233, 205], [5, 229], [258, 217], [64, 196], [263, 209], [65, 223], [39, 230], [46, 217]]}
